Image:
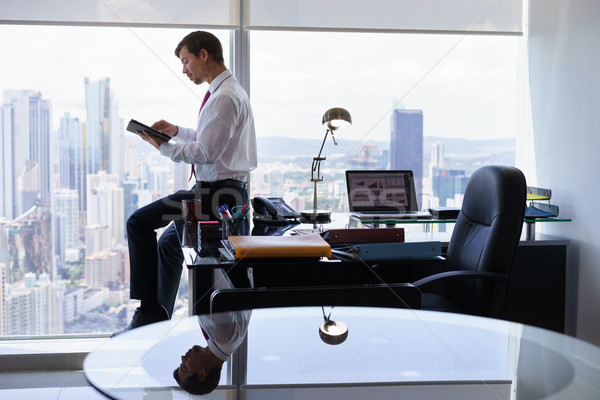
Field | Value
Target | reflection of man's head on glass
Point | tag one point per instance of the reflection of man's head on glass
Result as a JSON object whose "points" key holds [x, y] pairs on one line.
{"points": [[199, 371]]}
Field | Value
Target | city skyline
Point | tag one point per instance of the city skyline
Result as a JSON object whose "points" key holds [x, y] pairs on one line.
{"points": [[454, 71], [88, 100], [101, 250]]}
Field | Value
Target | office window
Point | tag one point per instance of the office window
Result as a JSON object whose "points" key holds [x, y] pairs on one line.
{"points": [[68, 91], [440, 105], [71, 174]]}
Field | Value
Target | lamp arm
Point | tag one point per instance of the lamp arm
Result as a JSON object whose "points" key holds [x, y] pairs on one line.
{"points": [[323, 144], [316, 167], [316, 164]]}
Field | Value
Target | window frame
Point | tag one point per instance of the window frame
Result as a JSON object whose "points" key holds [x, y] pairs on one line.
{"points": [[240, 66]]}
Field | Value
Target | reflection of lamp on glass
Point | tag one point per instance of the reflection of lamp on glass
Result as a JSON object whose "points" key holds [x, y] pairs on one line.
{"points": [[333, 119], [332, 332]]}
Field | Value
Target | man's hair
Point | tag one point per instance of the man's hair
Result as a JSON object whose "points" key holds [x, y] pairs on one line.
{"points": [[193, 385], [196, 41]]}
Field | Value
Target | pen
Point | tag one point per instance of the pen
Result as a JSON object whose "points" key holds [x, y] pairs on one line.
{"points": [[225, 212]]}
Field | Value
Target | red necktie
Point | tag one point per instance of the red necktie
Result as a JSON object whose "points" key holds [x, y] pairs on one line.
{"points": [[206, 96], [204, 333]]}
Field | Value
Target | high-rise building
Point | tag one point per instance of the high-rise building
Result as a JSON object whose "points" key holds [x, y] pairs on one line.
{"points": [[3, 298], [102, 269], [160, 179], [25, 159], [65, 213], [73, 303], [447, 184], [129, 195], [105, 201], [437, 157], [35, 306], [9, 206], [19, 318], [47, 304], [104, 129], [29, 240], [130, 159], [97, 99], [406, 144], [97, 239], [72, 169]]}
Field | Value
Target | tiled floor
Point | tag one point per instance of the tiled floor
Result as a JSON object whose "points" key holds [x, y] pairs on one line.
{"points": [[46, 369], [57, 385]]}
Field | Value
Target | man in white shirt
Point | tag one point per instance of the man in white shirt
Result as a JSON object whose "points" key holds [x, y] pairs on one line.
{"points": [[221, 151], [200, 368]]}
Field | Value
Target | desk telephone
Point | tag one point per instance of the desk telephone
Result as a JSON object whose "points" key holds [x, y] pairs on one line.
{"points": [[273, 209]]}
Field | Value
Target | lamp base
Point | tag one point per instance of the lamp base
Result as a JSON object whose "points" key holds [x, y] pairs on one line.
{"points": [[315, 216]]}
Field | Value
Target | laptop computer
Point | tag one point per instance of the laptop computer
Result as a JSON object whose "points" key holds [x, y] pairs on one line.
{"points": [[382, 195]]}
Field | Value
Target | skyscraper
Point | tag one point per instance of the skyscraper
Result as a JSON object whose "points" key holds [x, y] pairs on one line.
{"points": [[104, 132], [72, 169], [105, 200], [3, 299], [97, 99], [446, 184], [437, 157], [102, 269], [8, 175], [65, 211], [406, 144], [25, 159]]}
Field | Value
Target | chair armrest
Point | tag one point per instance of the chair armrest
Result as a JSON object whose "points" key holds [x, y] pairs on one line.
{"points": [[444, 276]]}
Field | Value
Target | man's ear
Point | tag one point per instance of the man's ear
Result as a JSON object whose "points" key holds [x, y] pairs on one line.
{"points": [[201, 375]]}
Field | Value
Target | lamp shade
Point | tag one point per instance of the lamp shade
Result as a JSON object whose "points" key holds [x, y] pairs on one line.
{"points": [[333, 332], [337, 118]]}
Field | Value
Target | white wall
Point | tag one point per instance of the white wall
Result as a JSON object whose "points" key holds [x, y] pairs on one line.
{"points": [[564, 61]]}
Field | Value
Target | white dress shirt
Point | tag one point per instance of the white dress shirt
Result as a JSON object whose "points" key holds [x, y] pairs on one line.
{"points": [[223, 146], [225, 331]]}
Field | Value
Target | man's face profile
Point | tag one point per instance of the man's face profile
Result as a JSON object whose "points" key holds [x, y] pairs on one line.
{"points": [[192, 363], [193, 66]]}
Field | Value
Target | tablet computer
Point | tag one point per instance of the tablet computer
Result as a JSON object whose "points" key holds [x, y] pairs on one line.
{"points": [[134, 126]]}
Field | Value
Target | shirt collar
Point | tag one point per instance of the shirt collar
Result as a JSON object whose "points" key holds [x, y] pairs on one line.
{"points": [[214, 85]]}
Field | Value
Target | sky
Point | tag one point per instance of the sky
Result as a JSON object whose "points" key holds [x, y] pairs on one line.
{"points": [[467, 86]]}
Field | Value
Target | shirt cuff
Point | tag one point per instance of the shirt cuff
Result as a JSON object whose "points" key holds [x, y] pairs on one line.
{"points": [[166, 149]]}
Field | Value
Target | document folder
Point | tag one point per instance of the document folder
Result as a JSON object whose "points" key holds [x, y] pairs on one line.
{"points": [[310, 245]]}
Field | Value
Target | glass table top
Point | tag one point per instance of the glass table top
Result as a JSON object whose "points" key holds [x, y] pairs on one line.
{"points": [[387, 351]]}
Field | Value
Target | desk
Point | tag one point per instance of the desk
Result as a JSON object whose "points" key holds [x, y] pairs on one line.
{"points": [[389, 353], [529, 223], [537, 287]]}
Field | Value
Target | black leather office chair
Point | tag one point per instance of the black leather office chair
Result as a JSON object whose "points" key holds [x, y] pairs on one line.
{"points": [[397, 295], [482, 246]]}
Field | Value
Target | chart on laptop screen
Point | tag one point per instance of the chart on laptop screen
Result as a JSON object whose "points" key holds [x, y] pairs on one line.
{"points": [[376, 191]]}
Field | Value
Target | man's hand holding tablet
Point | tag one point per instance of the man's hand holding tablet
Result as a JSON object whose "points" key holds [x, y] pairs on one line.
{"points": [[137, 127], [152, 134]]}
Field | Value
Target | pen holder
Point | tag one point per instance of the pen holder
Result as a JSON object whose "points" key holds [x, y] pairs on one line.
{"points": [[234, 227]]}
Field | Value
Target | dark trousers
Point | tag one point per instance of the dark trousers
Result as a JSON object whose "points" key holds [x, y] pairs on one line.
{"points": [[156, 265]]}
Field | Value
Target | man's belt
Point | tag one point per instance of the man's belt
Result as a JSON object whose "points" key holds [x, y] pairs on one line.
{"points": [[224, 183]]}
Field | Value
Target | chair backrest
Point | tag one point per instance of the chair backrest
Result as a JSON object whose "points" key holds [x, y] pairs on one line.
{"points": [[397, 295], [486, 236]]}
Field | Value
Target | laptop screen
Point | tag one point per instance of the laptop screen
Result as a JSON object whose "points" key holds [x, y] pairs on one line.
{"points": [[381, 190]]}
